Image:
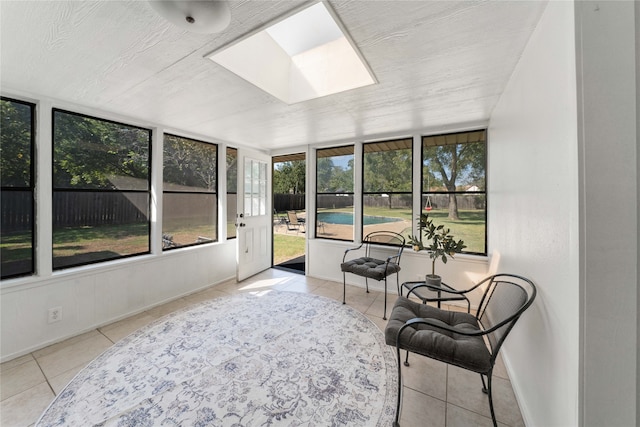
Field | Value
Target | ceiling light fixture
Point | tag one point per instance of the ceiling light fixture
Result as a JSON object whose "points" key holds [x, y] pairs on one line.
{"points": [[198, 16]]}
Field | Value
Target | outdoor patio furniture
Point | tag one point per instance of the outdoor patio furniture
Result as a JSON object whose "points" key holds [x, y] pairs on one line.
{"points": [[279, 217], [461, 339], [294, 223], [369, 267]]}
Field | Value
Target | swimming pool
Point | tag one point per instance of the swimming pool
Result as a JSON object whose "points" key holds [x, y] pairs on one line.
{"points": [[347, 218]]}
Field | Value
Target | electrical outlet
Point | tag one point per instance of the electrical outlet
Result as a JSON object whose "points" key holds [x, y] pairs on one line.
{"points": [[55, 314]]}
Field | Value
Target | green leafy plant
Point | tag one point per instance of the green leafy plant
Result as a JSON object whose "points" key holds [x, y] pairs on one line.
{"points": [[442, 244]]}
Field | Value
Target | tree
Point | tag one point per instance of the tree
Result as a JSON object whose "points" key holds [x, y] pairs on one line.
{"points": [[15, 144], [189, 163], [96, 154], [387, 171], [453, 165], [289, 177]]}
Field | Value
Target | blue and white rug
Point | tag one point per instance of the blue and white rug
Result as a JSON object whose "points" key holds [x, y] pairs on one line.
{"points": [[277, 359]]}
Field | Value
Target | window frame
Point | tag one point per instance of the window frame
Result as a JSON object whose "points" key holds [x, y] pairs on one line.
{"points": [[215, 192], [484, 192], [85, 190], [31, 188]]}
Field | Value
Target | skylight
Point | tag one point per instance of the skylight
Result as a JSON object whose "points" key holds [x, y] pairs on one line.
{"points": [[302, 57]]}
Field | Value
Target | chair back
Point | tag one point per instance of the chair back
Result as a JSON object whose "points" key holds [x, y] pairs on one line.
{"points": [[293, 218], [505, 298], [390, 239]]}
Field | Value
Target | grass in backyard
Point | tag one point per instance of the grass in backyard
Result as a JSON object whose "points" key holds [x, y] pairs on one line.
{"points": [[287, 247]]}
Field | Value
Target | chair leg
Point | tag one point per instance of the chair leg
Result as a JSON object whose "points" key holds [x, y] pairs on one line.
{"points": [[366, 281], [344, 288], [396, 422], [487, 389], [384, 316], [406, 360]]}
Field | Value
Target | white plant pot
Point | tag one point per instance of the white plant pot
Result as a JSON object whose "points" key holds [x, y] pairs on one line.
{"points": [[433, 279]]}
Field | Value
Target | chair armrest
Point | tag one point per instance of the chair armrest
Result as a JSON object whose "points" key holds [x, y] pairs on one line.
{"points": [[396, 256], [349, 250]]}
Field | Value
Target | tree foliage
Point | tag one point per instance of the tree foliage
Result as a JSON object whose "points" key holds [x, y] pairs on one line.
{"points": [[289, 177], [95, 154], [232, 170], [332, 178], [454, 167], [189, 163], [387, 171], [15, 144]]}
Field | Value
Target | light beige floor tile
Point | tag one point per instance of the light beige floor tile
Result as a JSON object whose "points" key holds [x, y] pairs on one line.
{"points": [[20, 378], [300, 287], [425, 375], [122, 328], [16, 362], [25, 408], [420, 410], [66, 343], [331, 290], [464, 389], [460, 417], [59, 382], [378, 309], [205, 295], [169, 307], [74, 354]]}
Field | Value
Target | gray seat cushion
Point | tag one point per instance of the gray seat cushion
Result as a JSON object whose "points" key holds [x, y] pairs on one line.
{"points": [[460, 350], [370, 267]]}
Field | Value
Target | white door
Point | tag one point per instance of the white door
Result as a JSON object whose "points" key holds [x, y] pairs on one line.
{"points": [[254, 217]]}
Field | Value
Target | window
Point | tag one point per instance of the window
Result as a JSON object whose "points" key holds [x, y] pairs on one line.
{"points": [[101, 189], [232, 191], [453, 185], [387, 179], [255, 188], [17, 183], [334, 193], [190, 200]]}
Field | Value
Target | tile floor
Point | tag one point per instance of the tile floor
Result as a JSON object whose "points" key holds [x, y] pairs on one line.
{"points": [[435, 394]]}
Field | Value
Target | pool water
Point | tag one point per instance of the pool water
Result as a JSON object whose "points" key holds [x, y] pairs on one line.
{"points": [[347, 218]]}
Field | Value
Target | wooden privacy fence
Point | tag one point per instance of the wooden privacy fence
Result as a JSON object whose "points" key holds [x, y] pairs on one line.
{"points": [[16, 213], [72, 209], [288, 202]]}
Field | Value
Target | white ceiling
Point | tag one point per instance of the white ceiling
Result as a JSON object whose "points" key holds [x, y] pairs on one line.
{"points": [[438, 64]]}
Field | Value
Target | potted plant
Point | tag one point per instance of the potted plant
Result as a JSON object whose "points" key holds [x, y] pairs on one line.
{"points": [[442, 245]]}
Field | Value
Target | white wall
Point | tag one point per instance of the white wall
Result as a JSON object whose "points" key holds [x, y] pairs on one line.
{"points": [[533, 217], [96, 295], [608, 144]]}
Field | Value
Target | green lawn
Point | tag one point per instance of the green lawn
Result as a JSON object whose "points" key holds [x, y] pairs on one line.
{"points": [[287, 247]]}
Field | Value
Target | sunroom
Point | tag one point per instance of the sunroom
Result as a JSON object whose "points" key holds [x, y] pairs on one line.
{"points": [[129, 122]]}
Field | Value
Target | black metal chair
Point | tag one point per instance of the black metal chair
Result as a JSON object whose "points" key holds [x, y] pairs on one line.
{"points": [[369, 267], [458, 338]]}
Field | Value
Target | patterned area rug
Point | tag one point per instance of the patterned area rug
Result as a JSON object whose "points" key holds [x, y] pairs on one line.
{"points": [[277, 359]]}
